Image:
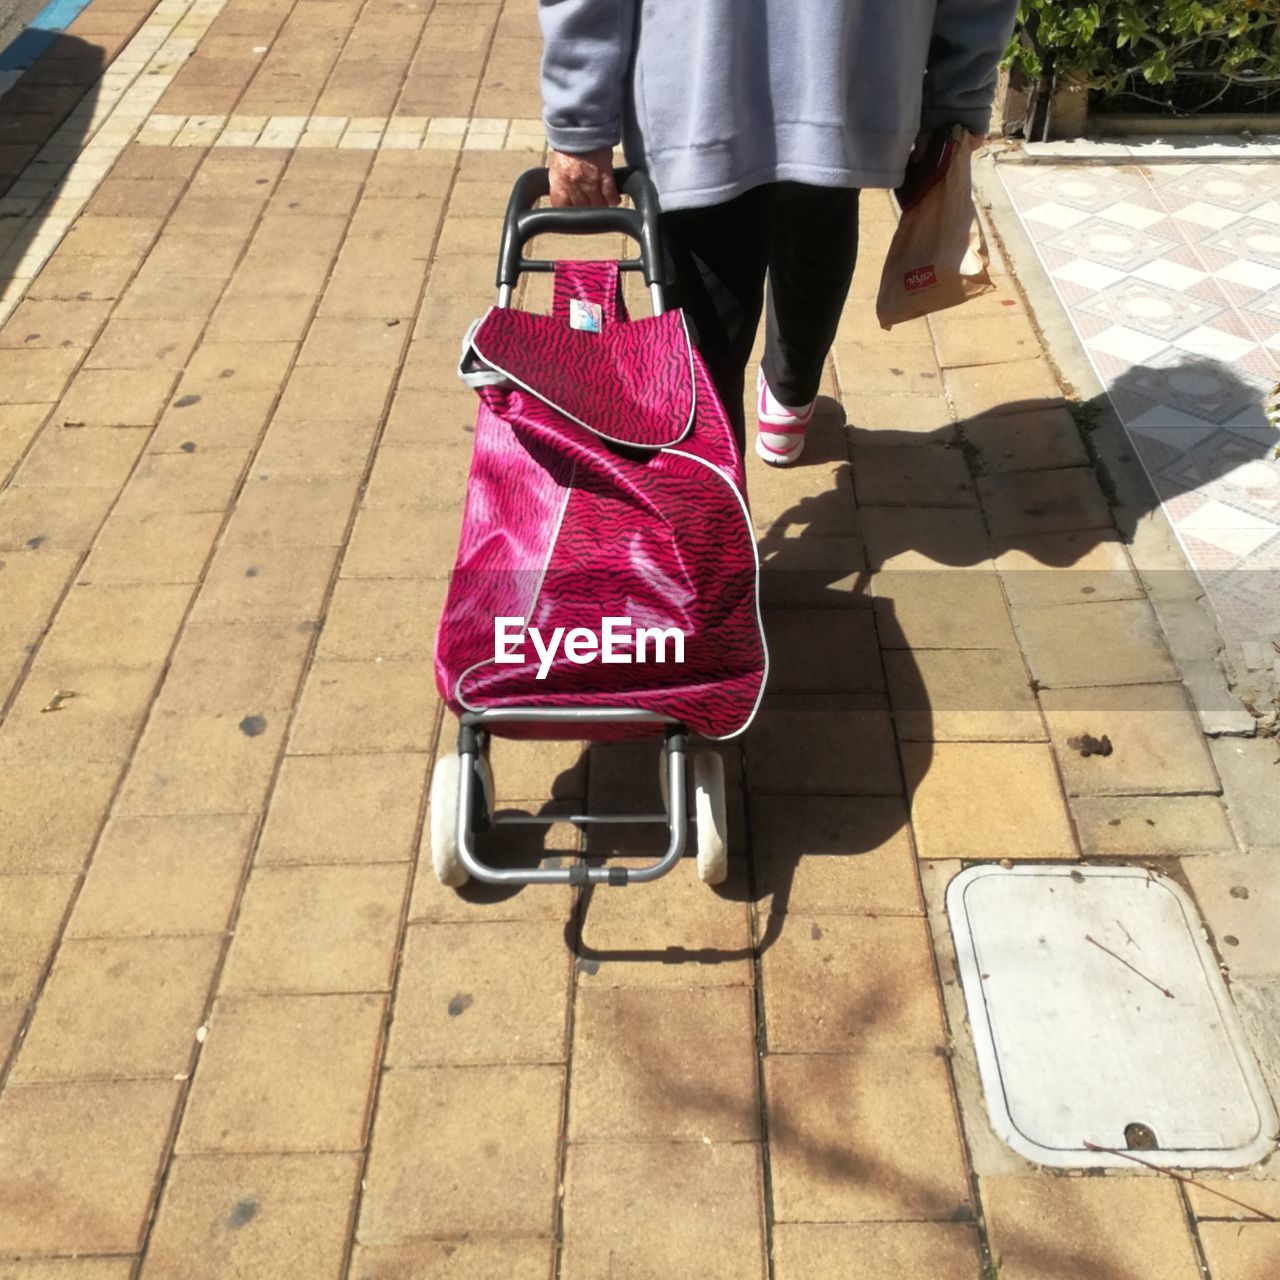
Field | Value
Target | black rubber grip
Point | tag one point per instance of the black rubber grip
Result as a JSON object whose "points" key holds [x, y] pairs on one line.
{"points": [[523, 222]]}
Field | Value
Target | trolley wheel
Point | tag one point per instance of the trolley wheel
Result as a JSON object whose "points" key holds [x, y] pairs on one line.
{"points": [[445, 859], [709, 815], [444, 815]]}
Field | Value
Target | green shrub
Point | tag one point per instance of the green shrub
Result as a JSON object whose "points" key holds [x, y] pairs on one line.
{"points": [[1112, 45]]}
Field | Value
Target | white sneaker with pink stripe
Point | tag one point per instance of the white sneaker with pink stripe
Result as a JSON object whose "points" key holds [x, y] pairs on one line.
{"points": [[780, 439]]}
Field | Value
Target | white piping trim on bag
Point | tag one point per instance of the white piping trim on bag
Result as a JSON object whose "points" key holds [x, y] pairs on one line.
{"points": [[755, 554], [477, 378], [501, 376]]}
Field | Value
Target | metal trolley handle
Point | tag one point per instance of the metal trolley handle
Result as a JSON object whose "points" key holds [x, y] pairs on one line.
{"points": [[523, 222]]}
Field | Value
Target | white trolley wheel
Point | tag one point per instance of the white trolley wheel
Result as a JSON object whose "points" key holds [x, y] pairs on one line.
{"points": [[445, 859], [444, 823], [710, 818]]}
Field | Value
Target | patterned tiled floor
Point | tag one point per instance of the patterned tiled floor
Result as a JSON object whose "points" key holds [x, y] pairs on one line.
{"points": [[1171, 276]]}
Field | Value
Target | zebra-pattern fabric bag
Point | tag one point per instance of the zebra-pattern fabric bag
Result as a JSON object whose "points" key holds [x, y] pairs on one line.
{"points": [[605, 485]]}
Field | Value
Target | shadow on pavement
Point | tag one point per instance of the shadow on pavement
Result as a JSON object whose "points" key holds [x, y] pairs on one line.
{"points": [[1048, 520], [56, 96]]}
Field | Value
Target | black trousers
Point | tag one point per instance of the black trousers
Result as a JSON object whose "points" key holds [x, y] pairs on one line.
{"points": [[804, 240]]}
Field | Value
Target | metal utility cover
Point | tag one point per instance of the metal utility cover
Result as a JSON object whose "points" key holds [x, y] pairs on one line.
{"points": [[1064, 971]]}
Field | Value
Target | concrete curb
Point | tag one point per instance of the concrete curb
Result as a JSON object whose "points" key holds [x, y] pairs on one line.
{"points": [[1172, 586]]}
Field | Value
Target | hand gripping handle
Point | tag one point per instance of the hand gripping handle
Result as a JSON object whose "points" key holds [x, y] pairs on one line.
{"points": [[523, 222]]}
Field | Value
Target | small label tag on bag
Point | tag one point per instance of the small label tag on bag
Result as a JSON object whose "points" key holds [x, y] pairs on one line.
{"points": [[920, 278], [585, 315]]}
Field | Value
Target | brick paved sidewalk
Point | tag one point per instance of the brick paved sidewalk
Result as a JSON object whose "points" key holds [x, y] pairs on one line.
{"points": [[243, 1032]]}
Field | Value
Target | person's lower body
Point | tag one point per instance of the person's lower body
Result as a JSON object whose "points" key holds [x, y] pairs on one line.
{"points": [[787, 249]]}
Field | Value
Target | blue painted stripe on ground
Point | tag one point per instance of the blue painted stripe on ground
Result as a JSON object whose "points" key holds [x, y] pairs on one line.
{"points": [[40, 33]]}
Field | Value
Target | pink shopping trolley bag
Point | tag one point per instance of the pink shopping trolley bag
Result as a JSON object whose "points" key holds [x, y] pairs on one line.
{"points": [[607, 558]]}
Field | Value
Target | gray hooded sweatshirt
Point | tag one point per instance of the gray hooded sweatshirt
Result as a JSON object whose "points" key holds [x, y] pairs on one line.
{"points": [[714, 97]]}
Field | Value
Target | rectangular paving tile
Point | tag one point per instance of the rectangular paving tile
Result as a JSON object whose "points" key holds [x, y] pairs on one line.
{"points": [[1036, 502], [875, 1250], [32, 908], [864, 1137], [937, 609], [825, 744], [53, 810], [703, 1201], [128, 626], [1111, 642], [1042, 441], [1235, 1251], [455, 1259], [962, 695], [284, 1073], [844, 983], [893, 475], [1151, 826], [924, 538], [61, 519], [117, 1268], [82, 1164], [657, 1065], [95, 457], [1157, 746], [156, 987], [253, 1216], [1247, 767], [287, 512], [482, 993], [463, 1150], [822, 650], [344, 809], [249, 668], [202, 763], [69, 711], [372, 619], [166, 875], [1239, 896], [365, 706], [833, 854], [181, 482], [987, 800], [1067, 568], [677, 932], [160, 547], [1088, 1226], [264, 584], [317, 929], [1262, 1194], [1017, 386]]}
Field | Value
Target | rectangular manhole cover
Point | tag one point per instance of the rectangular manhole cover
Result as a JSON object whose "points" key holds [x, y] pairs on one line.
{"points": [[1100, 1017]]}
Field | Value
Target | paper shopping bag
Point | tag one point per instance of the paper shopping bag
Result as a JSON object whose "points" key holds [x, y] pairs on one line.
{"points": [[938, 257]]}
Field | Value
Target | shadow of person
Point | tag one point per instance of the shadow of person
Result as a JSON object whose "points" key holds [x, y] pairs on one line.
{"points": [[45, 119], [912, 542]]}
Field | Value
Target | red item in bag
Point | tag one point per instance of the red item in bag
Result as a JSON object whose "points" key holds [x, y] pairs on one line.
{"points": [[938, 257]]}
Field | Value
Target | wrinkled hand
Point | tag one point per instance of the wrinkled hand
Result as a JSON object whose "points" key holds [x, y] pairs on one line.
{"points": [[583, 181]]}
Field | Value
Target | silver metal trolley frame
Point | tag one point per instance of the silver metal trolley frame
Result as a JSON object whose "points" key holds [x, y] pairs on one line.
{"points": [[470, 750]]}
